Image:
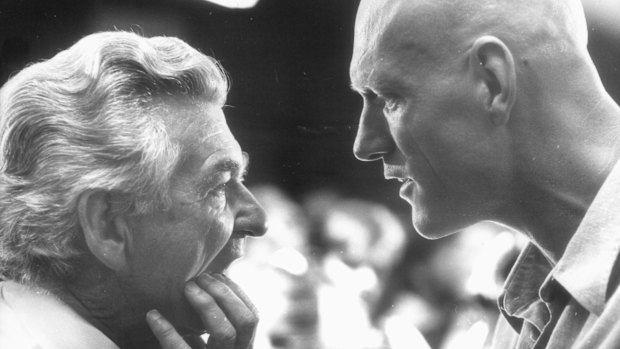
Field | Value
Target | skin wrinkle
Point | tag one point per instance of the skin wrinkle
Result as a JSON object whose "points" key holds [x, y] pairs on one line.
{"points": [[74, 84], [211, 135], [370, 43], [213, 223], [381, 59], [381, 85], [131, 256]]}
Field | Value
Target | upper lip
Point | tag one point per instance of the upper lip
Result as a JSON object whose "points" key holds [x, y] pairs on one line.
{"points": [[392, 173]]}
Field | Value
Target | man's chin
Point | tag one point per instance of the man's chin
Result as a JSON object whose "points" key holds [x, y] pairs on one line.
{"points": [[432, 228], [219, 266]]}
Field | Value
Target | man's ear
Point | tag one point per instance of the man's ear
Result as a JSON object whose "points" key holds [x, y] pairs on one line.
{"points": [[106, 232], [494, 68]]}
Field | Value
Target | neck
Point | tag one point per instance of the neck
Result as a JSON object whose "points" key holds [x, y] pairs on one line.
{"points": [[97, 296], [549, 219], [564, 169]]}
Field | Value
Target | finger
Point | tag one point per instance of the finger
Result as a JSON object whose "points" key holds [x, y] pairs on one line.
{"points": [[165, 333], [244, 318], [238, 291], [222, 334]]}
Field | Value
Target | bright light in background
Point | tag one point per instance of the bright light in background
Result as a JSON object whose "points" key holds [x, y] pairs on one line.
{"points": [[289, 259], [483, 279], [235, 3], [472, 338], [402, 335]]}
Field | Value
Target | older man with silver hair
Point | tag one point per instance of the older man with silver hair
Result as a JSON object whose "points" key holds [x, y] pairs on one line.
{"points": [[493, 110], [122, 200]]}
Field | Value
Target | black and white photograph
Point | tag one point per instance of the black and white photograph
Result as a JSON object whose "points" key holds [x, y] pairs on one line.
{"points": [[309, 174]]}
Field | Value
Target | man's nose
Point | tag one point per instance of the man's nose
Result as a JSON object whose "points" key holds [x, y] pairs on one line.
{"points": [[373, 140], [251, 218]]}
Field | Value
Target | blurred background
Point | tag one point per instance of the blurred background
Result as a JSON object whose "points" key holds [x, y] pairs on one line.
{"points": [[341, 267]]}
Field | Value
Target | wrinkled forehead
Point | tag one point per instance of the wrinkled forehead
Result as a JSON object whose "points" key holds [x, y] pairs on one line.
{"points": [[195, 124]]}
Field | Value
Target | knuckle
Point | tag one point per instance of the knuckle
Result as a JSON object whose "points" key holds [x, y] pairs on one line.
{"points": [[202, 300], [223, 291], [168, 332], [248, 321], [228, 336]]}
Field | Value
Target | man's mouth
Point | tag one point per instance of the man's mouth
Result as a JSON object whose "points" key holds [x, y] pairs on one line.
{"points": [[233, 250], [406, 189], [396, 173], [400, 179]]}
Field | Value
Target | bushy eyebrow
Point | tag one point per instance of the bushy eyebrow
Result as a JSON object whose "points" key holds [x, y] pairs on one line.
{"points": [[227, 165]]}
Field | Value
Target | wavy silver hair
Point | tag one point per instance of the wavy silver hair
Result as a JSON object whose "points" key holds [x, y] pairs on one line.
{"points": [[83, 120]]}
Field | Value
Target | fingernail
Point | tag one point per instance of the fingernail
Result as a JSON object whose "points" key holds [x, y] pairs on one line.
{"points": [[191, 287], [205, 277], [220, 276], [154, 315]]}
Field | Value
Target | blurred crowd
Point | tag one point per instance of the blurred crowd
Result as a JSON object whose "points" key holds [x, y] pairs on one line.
{"points": [[338, 272]]}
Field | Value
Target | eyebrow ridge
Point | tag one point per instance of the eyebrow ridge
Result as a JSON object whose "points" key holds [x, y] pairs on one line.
{"points": [[231, 164], [227, 165]]}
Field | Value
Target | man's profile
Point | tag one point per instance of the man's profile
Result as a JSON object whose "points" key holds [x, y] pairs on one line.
{"points": [[493, 110], [122, 195]]}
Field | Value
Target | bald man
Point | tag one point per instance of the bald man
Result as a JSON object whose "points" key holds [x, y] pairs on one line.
{"points": [[493, 111]]}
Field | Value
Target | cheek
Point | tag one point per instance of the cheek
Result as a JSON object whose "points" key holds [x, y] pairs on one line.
{"points": [[215, 239], [416, 137], [186, 241], [209, 234], [444, 131]]}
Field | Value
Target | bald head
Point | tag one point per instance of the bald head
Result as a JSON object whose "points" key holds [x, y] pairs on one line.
{"points": [[535, 27], [474, 105]]}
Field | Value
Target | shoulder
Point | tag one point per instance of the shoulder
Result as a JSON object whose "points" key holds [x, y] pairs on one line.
{"points": [[31, 318], [13, 334]]}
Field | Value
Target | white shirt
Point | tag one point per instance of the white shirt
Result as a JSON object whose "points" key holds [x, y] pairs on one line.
{"points": [[34, 319]]}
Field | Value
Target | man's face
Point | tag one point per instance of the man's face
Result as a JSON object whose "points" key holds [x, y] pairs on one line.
{"points": [[212, 212], [423, 119]]}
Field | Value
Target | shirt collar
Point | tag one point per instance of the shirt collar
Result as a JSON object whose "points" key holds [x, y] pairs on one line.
{"points": [[521, 297], [586, 265], [583, 271]]}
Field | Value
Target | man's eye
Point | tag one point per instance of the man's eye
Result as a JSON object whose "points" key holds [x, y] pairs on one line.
{"points": [[216, 195], [390, 105], [220, 190]]}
